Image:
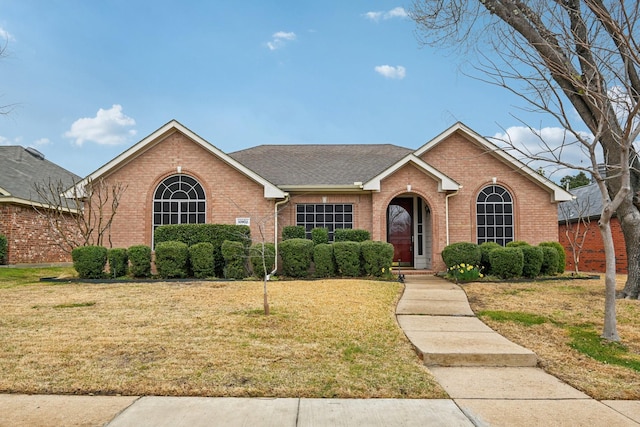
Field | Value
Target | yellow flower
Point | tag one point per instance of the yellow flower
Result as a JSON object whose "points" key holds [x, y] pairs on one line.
{"points": [[469, 267], [481, 275]]}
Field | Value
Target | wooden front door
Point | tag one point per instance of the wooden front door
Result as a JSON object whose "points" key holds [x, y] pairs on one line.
{"points": [[400, 230]]}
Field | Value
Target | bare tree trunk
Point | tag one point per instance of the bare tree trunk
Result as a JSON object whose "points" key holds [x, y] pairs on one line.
{"points": [[610, 330], [630, 222]]}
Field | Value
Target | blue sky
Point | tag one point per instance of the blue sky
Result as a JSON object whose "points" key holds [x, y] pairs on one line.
{"points": [[88, 79]]}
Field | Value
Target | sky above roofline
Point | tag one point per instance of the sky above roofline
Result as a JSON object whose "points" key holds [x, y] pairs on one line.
{"points": [[87, 80]]}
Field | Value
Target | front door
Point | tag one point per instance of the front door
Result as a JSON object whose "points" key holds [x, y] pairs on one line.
{"points": [[400, 230]]}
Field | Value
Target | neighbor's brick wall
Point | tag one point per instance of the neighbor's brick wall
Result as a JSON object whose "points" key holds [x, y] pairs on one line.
{"points": [[229, 194], [592, 253], [535, 217], [28, 238]]}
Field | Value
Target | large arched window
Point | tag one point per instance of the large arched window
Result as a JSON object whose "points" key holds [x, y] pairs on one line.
{"points": [[179, 199], [494, 215]]}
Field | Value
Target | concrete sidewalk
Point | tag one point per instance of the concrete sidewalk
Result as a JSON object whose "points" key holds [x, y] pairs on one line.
{"points": [[491, 381]]}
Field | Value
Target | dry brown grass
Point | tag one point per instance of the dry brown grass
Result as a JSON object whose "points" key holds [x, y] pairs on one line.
{"points": [[566, 303], [335, 338]]}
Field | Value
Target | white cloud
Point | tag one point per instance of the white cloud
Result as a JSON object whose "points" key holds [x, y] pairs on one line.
{"points": [[42, 141], [6, 35], [279, 39], [391, 72], [545, 143], [7, 141], [376, 16], [108, 127]]}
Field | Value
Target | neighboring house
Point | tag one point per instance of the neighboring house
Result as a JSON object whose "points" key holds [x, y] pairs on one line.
{"points": [[27, 233], [457, 187], [582, 214]]}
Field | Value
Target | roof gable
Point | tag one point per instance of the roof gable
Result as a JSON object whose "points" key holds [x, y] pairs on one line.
{"points": [[558, 194], [444, 182], [270, 190]]}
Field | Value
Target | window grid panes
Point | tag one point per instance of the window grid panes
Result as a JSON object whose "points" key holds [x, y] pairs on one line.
{"points": [[179, 199], [329, 216], [494, 215]]}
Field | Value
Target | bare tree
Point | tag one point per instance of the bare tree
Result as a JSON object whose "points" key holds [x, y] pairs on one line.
{"points": [[564, 58], [576, 226], [79, 216]]}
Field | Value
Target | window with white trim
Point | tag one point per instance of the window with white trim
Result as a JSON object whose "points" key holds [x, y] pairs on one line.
{"points": [[494, 215], [331, 216], [179, 199]]}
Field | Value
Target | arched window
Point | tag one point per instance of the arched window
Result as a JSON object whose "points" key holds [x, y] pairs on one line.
{"points": [[179, 199], [494, 215]]}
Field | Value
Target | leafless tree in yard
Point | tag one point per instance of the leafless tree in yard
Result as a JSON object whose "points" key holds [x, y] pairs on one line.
{"points": [[576, 61], [79, 216], [576, 226]]}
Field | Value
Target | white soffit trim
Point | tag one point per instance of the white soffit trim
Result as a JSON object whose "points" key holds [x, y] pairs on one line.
{"points": [[444, 182], [270, 190], [558, 194]]}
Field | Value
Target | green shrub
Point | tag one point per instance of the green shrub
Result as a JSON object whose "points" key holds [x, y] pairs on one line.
{"points": [[549, 261], [235, 255], [507, 263], [517, 244], [376, 258], [320, 235], [172, 259], [485, 250], [347, 256], [461, 253], [562, 255], [296, 257], [118, 262], [140, 259], [293, 232], [324, 261], [532, 256], [201, 260], [351, 235], [89, 261], [263, 258], [3, 249], [215, 234]]}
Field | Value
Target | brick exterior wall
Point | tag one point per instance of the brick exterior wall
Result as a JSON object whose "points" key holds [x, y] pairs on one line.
{"points": [[29, 241], [229, 194], [592, 253]]}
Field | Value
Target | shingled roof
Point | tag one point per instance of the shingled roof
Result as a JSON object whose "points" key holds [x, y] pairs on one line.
{"points": [[587, 204], [21, 169], [320, 165]]}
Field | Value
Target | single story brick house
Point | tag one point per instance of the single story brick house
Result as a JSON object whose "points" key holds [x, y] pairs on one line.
{"points": [[456, 187], [28, 237], [581, 215]]}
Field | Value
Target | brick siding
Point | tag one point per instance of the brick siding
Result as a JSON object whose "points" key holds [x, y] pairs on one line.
{"points": [[28, 238], [592, 253]]}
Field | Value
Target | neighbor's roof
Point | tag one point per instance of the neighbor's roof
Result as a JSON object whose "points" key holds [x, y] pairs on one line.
{"points": [[320, 165], [587, 204], [21, 169]]}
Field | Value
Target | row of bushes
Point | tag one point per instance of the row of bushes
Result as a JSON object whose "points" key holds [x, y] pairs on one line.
{"points": [[321, 235], [350, 259], [90, 261], [517, 259], [3, 249]]}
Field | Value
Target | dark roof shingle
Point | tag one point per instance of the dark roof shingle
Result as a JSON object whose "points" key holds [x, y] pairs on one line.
{"points": [[323, 165], [20, 170]]}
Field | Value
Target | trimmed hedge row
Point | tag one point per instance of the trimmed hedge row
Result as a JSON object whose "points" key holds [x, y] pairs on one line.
{"points": [[517, 259], [216, 234], [3, 249]]}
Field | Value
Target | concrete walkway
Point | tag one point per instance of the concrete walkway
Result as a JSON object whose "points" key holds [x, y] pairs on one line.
{"points": [[491, 381]]}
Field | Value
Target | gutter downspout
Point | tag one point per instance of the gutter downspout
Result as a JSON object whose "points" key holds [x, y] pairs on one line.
{"points": [[275, 233], [446, 212]]}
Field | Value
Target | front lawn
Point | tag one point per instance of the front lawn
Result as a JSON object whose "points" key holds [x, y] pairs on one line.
{"points": [[561, 321], [326, 338]]}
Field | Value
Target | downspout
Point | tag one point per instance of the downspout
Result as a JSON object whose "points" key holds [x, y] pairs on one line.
{"points": [[446, 212], [275, 233]]}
